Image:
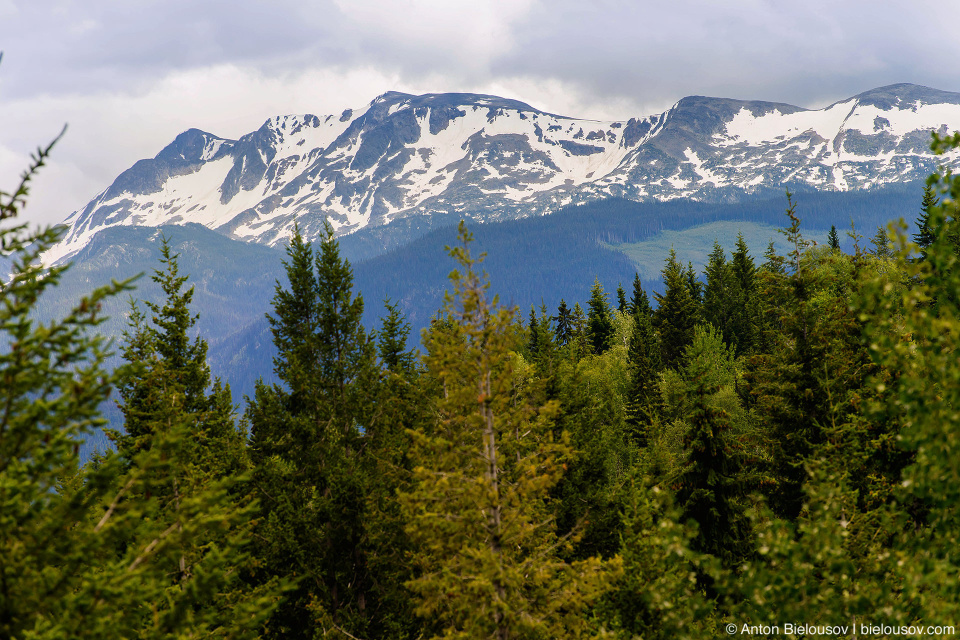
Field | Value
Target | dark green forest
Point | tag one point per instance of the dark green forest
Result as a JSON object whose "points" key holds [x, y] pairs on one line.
{"points": [[770, 441]]}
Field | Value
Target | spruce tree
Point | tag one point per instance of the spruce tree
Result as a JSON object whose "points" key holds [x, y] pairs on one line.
{"points": [[308, 442], [487, 559], [833, 240], [881, 244], [564, 329], [745, 319], [639, 303], [578, 324], [599, 319], [676, 313], [711, 490], [75, 561], [721, 294], [180, 436], [643, 357], [621, 299], [926, 233], [533, 331], [695, 287], [392, 341]]}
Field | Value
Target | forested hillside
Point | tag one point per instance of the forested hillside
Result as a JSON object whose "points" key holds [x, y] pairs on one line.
{"points": [[766, 442]]}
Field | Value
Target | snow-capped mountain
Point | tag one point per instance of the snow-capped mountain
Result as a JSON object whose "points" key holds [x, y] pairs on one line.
{"points": [[491, 158]]}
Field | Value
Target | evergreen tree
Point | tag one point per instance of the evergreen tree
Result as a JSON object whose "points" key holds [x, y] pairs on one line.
{"points": [[578, 323], [644, 358], [166, 363], [711, 490], [392, 341], [308, 445], [487, 552], [657, 573], [621, 299], [180, 435], [402, 405], [695, 287], [773, 262], [833, 240], [926, 233], [533, 331], [639, 301], [745, 319], [599, 320], [75, 561], [564, 330], [676, 313], [881, 244], [721, 294]]}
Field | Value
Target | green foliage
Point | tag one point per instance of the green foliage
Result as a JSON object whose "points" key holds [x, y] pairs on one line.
{"points": [[722, 294], [84, 555], [317, 469], [185, 458], [926, 233], [644, 358], [657, 596], [621, 299], [833, 240], [564, 329], [599, 319], [711, 490], [487, 552], [677, 312], [882, 248], [639, 302], [392, 342]]}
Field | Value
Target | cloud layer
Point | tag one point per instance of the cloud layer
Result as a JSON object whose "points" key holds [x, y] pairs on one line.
{"points": [[129, 76]]}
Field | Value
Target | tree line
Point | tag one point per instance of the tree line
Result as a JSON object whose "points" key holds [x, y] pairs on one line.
{"points": [[769, 440]]}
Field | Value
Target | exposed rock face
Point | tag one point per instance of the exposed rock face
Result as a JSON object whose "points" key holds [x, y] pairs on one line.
{"points": [[492, 158]]}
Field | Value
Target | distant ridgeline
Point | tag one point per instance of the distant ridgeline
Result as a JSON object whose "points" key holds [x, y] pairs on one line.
{"points": [[531, 261], [409, 164]]}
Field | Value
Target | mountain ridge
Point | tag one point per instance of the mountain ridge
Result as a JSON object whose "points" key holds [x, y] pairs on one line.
{"points": [[490, 158]]}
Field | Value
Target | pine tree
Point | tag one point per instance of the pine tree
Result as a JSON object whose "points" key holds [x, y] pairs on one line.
{"points": [[676, 313], [599, 320], [833, 240], [487, 557]]}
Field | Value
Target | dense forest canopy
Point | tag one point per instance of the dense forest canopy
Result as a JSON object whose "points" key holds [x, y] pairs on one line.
{"points": [[769, 443]]}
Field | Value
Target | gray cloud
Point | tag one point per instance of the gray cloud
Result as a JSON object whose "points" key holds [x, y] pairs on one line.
{"points": [[129, 76]]}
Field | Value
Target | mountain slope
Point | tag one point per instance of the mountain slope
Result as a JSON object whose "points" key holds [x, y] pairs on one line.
{"points": [[409, 158]]}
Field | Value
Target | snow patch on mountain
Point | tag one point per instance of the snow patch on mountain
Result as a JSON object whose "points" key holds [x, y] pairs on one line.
{"points": [[493, 158]]}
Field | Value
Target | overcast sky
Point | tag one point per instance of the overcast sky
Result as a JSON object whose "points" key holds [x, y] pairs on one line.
{"points": [[129, 75]]}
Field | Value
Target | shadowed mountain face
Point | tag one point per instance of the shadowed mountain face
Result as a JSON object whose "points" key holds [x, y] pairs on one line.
{"points": [[416, 162]]}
